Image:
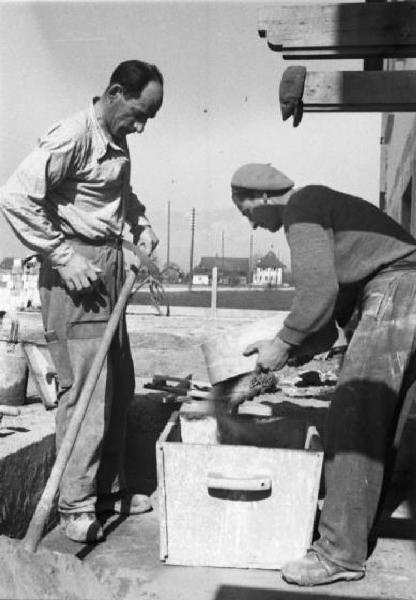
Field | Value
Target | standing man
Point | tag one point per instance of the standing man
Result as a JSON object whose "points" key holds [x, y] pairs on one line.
{"points": [[345, 253], [70, 200]]}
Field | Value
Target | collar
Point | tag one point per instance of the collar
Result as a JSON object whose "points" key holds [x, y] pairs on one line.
{"points": [[101, 138]]}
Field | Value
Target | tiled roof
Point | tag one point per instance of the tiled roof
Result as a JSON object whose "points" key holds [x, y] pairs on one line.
{"points": [[225, 265], [270, 261]]}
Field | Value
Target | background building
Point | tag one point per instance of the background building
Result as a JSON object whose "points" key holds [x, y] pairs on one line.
{"points": [[231, 270], [268, 270], [19, 283]]}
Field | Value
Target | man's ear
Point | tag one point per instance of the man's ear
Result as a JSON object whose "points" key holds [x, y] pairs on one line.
{"points": [[115, 90]]}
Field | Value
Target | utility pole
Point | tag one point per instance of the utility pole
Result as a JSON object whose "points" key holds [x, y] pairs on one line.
{"points": [[222, 255], [191, 258], [168, 239], [250, 261]]}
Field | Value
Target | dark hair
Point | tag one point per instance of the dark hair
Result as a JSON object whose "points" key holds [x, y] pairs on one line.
{"points": [[134, 76]]}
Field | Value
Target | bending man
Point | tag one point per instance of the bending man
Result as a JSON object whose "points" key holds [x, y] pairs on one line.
{"points": [[345, 254]]}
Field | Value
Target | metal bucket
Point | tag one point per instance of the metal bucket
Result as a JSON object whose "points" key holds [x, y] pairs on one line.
{"points": [[13, 373], [224, 353]]}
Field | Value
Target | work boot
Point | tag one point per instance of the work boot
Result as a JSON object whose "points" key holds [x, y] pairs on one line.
{"points": [[82, 527], [314, 569], [124, 504]]}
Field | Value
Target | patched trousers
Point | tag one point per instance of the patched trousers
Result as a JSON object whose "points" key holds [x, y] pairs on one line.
{"points": [[362, 419], [74, 325]]}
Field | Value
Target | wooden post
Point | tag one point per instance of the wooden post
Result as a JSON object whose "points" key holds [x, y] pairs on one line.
{"points": [[250, 262], [191, 256], [168, 239], [214, 293]]}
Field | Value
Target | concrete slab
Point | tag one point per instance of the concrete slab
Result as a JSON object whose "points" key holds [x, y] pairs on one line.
{"points": [[128, 564], [128, 561]]}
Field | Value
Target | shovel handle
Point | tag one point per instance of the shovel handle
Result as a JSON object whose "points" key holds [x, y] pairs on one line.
{"points": [[43, 508]]}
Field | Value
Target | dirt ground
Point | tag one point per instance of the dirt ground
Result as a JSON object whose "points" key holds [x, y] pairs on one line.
{"points": [[128, 561]]}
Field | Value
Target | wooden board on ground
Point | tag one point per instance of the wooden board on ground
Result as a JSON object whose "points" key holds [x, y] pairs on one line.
{"points": [[44, 375]]}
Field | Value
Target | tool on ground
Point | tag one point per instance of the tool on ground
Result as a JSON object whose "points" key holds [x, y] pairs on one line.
{"points": [[185, 387], [27, 574], [163, 383]]}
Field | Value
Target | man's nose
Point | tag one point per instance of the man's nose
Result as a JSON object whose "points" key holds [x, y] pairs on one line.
{"points": [[139, 126]]}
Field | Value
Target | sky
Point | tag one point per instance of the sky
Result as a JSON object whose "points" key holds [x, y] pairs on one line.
{"points": [[220, 111]]}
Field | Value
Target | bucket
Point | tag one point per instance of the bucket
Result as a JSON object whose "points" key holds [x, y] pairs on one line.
{"points": [[13, 374], [224, 353]]}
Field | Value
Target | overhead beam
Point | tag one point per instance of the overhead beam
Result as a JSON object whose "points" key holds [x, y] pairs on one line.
{"points": [[360, 91], [374, 63], [356, 30]]}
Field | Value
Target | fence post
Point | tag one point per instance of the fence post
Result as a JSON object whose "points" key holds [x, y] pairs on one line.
{"points": [[214, 293]]}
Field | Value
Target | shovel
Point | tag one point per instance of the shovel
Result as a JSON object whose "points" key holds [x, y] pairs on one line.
{"points": [[28, 574]]}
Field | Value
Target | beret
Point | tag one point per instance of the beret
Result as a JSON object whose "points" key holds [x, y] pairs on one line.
{"points": [[256, 176]]}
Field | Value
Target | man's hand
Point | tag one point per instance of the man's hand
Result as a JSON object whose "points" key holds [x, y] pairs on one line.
{"points": [[148, 240], [79, 274], [272, 354]]}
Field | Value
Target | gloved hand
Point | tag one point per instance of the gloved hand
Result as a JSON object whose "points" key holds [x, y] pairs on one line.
{"points": [[79, 274], [272, 354]]}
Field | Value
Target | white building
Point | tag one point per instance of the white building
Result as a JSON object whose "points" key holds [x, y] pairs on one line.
{"points": [[268, 270], [19, 285]]}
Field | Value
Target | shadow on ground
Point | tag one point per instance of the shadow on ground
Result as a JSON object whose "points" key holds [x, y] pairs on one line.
{"points": [[231, 592]]}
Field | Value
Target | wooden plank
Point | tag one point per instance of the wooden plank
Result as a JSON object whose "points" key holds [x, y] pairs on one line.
{"points": [[340, 29], [344, 53], [44, 375], [343, 91]]}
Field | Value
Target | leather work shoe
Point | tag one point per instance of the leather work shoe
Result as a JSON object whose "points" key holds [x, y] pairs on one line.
{"points": [[82, 527], [127, 504], [314, 569]]}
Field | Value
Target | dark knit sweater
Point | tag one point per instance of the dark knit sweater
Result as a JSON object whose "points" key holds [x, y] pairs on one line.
{"points": [[337, 242]]}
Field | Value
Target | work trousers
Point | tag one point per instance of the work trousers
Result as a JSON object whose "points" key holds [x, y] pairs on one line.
{"points": [[74, 325], [363, 416]]}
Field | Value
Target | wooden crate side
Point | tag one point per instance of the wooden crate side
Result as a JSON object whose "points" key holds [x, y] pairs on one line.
{"points": [[163, 534], [207, 530], [161, 491]]}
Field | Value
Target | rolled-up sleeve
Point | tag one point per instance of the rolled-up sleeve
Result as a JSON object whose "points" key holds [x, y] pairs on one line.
{"points": [[23, 197]]}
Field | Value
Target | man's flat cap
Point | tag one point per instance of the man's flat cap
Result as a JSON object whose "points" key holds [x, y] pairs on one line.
{"points": [[256, 176]]}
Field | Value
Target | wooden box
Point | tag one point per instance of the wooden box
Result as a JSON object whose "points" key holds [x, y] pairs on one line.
{"points": [[235, 506]]}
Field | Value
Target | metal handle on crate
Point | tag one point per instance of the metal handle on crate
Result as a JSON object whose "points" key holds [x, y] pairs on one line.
{"points": [[313, 440], [242, 484]]}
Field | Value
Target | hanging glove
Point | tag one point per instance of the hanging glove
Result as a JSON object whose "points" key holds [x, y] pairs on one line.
{"points": [[291, 90]]}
